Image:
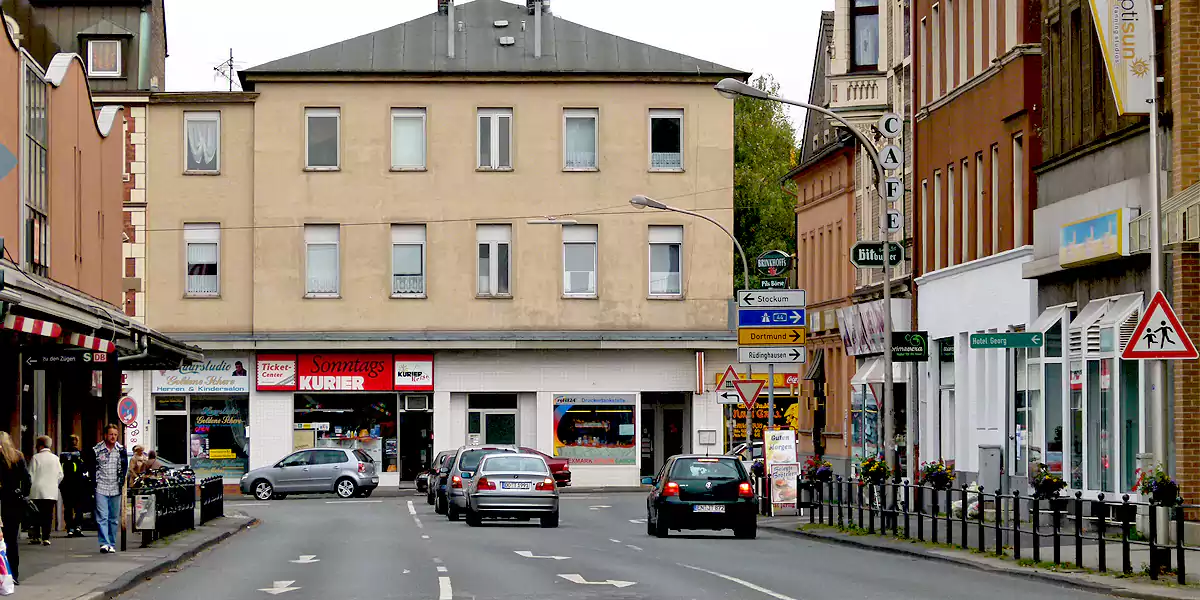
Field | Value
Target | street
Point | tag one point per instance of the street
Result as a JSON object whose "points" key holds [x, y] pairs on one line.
{"points": [[322, 547]]}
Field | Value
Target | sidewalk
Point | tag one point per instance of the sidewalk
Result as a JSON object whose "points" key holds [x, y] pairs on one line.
{"points": [[1138, 586], [74, 569]]}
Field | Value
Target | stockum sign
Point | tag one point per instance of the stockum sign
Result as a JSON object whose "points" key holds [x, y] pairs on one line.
{"points": [[330, 372]]}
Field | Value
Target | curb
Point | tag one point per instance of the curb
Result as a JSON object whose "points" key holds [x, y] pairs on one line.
{"points": [[131, 579], [1034, 574]]}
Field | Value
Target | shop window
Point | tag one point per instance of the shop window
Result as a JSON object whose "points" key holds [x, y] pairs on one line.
{"points": [[1027, 438], [1053, 373], [597, 430], [364, 422], [1076, 384], [1132, 421], [947, 407], [220, 444], [170, 403]]}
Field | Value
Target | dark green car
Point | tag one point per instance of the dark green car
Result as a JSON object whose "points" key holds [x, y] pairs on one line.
{"points": [[702, 492]]}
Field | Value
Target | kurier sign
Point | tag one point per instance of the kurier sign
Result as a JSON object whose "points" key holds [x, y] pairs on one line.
{"points": [[337, 372]]}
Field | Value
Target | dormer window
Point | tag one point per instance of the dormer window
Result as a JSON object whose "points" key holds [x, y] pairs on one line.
{"points": [[104, 58]]}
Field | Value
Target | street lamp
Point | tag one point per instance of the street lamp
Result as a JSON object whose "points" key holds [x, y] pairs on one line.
{"points": [[732, 88]]}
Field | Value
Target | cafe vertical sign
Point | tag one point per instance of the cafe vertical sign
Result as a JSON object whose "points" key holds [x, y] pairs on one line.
{"points": [[1124, 28]]}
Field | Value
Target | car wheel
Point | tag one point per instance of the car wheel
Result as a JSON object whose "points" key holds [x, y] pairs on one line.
{"points": [[429, 498], [452, 511], [550, 521], [345, 488], [473, 519], [649, 525], [660, 527], [263, 490], [440, 506], [746, 532]]}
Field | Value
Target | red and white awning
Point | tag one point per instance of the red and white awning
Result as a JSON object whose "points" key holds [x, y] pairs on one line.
{"points": [[33, 326], [91, 342]]}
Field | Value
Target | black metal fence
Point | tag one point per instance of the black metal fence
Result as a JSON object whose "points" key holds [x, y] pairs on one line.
{"points": [[1000, 523], [212, 499]]}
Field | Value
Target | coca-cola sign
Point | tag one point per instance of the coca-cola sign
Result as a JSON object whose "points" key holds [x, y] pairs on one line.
{"points": [[327, 372]]}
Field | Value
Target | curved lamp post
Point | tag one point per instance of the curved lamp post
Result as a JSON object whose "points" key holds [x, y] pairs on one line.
{"points": [[643, 202]]}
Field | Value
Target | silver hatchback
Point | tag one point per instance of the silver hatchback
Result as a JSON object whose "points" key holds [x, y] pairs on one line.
{"points": [[512, 485], [347, 473]]}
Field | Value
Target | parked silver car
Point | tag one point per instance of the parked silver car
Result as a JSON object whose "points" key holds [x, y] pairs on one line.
{"points": [[461, 472], [347, 473], [512, 485]]}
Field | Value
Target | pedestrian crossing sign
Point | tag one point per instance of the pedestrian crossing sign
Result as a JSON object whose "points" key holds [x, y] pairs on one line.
{"points": [[1159, 335]]}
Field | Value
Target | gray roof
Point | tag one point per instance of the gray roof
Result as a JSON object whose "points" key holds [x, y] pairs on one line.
{"points": [[106, 28], [419, 47]]}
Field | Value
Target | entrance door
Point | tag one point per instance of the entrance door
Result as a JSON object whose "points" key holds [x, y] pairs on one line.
{"points": [[415, 444], [500, 428], [672, 432], [649, 466]]}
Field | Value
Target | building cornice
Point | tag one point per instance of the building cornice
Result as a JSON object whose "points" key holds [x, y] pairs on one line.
{"points": [[465, 340], [974, 265], [994, 69], [257, 77], [203, 97]]}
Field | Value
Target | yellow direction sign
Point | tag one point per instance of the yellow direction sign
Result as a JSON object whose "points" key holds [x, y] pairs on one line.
{"points": [[770, 336]]}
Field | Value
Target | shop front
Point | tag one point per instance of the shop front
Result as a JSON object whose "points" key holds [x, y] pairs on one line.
{"points": [[200, 416], [862, 329]]}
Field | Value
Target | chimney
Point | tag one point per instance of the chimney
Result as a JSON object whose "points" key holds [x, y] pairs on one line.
{"points": [[537, 28], [446, 7]]}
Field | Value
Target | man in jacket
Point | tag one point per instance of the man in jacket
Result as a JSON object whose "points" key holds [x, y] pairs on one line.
{"points": [[75, 487], [108, 462]]}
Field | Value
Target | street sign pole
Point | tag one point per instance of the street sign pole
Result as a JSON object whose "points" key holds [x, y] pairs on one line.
{"points": [[894, 156], [770, 401]]}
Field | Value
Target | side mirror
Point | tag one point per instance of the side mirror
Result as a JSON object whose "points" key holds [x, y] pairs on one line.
{"points": [[648, 481]]}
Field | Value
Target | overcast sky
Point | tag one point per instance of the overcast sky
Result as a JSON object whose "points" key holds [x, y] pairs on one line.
{"points": [[762, 36]]}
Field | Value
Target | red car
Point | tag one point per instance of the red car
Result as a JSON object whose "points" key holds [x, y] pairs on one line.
{"points": [[560, 467]]}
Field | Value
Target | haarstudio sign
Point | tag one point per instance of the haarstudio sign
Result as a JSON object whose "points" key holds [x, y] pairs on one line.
{"points": [[342, 372]]}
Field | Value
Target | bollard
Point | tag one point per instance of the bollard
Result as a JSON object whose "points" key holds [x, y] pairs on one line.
{"points": [[1035, 519], [1098, 508], [1079, 529], [1016, 524], [1126, 564], [1181, 565]]}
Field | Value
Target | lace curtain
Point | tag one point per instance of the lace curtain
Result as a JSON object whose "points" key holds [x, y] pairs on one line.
{"points": [[202, 140]]}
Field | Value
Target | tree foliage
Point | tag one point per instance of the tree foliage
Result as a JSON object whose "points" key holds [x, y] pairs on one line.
{"points": [[763, 151]]}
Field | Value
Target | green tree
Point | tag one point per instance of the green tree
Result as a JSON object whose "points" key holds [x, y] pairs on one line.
{"points": [[763, 151]]}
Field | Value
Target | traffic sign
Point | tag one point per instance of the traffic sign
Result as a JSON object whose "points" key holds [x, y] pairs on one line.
{"points": [[770, 336], [1017, 339], [890, 125], [773, 263], [127, 411], [777, 354], [895, 220], [867, 255], [725, 381], [765, 317], [771, 298], [891, 157], [68, 358], [749, 390], [1159, 335], [729, 398], [893, 189]]}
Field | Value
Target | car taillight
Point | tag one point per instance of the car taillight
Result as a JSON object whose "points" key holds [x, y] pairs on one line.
{"points": [[745, 491], [566, 467], [671, 489], [362, 468], [456, 482], [484, 484], [547, 485]]}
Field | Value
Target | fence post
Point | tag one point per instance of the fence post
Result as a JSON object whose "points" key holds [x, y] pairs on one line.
{"points": [[964, 543], [841, 499], [982, 501], [894, 513], [934, 533], [1016, 524], [1098, 507], [1035, 518], [1153, 539], [999, 513], [1057, 511], [872, 494], [859, 485], [1079, 529], [1180, 567], [1126, 564], [905, 507]]}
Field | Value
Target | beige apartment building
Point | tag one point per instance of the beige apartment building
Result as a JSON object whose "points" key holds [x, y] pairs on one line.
{"points": [[415, 240]]}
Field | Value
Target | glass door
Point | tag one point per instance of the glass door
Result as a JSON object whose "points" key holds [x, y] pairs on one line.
{"points": [[500, 428]]}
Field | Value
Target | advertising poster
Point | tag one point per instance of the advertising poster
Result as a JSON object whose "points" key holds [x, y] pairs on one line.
{"points": [[787, 414], [784, 490], [216, 375], [220, 443], [595, 429], [780, 446], [143, 512]]}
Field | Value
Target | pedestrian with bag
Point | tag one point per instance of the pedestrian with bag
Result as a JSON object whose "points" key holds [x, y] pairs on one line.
{"points": [[7, 583], [14, 499], [75, 487], [46, 473], [108, 463]]}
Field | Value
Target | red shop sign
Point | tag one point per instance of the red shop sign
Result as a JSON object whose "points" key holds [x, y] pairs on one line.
{"points": [[336, 372]]}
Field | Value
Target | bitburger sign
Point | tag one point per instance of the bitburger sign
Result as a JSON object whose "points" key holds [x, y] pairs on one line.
{"points": [[350, 372]]}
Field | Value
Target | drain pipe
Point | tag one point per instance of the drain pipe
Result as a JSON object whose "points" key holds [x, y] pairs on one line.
{"points": [[144, 52], [144, 344]]}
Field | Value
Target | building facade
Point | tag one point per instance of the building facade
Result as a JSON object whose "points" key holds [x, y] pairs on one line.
{"points": [[432, 246], [977, 82]]}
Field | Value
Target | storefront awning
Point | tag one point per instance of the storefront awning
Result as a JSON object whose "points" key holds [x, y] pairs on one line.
{"points": [[91, 342], [33, 326], [1050, 317], [871, 372]]}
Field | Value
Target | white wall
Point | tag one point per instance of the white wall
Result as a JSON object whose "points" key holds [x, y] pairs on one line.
{"points": [[981, 295], [271, 418]]}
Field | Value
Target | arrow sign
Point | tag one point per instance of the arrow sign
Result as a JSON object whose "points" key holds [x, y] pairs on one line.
{"points": [[1017, 339], [770, 336], [279, 588], [749, 391], [729, 398], [1159, 335], [762, 317], [528, 554], [767, 354], [577, 578], [306, 559], [771, 298]]}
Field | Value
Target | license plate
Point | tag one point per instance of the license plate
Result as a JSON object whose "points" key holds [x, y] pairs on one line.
{"points": [[516, 485], [709, 508]]}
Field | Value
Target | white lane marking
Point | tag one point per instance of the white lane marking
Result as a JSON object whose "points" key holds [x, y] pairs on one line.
{"points": [[637, 521], [406, 572], [437, 560], [306, 559], [441, 569], [632, 547], [614, 541], [577, 578], [528, 554], [420, 525], [424, 537], [740, 582], [598, 507], [412, 510], [262, 504], [445, 592], [279, 587], [354, 502]]}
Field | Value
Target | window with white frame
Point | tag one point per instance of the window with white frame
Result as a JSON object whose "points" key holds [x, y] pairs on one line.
{"points": [[321, 260], [35, 173], [946, 410], [104, 58], [579, 139], [1018, 183], [408, 139], [965, 238], [937, 220], [408, 260], [203, 250], [495, 138], [495, 259], [321, 133], [666, 139], [202, 152], [666, 250], [579, 260]]}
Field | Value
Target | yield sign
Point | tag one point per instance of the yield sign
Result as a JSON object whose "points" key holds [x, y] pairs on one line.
{"points": [[1159, 335], [726, 378], [749, 391]]}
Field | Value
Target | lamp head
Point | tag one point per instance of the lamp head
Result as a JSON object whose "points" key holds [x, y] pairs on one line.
{"points": [[732, 88], [641, 201]]}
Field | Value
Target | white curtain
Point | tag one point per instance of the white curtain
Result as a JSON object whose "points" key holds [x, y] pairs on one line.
{"points": [[581, 143], [322, 269], [664, 269], [202, 140], [202, 268], [407, 277], [408, 142], [579, 275]]}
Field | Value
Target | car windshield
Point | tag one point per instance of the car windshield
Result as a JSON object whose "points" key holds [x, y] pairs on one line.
{"points": [[514, 464], [707, 468], [470, 458]]}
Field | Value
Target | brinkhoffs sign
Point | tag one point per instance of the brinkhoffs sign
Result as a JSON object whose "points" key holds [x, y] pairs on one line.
{"points": [[341, 372]]}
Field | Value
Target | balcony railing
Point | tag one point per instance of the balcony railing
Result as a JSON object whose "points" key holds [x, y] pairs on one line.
{"points": [[857, 90]]}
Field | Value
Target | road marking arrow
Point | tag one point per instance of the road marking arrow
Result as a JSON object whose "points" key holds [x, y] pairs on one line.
{"points": [[306, 559], [279, 588], [637, 521], [528, 554], [577, 578]]}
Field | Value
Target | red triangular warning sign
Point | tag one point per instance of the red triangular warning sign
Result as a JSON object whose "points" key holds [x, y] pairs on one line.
{"points": [[726, 378], [1159, 335], [749, 391]]}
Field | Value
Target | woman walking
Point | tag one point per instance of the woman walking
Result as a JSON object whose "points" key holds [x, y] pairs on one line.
{"points": [[14, 489], [46, 473], [138, 464]]}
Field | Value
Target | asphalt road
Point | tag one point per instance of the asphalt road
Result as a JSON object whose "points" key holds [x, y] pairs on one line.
{"points": [[387, 548]]}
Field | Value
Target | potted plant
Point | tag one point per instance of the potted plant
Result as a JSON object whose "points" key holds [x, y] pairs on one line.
{"points": [[937, 475], [817, 469], [1046, 485], [1158, 486], [873, 470]]}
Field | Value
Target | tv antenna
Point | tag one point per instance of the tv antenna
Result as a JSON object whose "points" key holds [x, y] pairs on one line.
{"points": [[228, 71]]}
